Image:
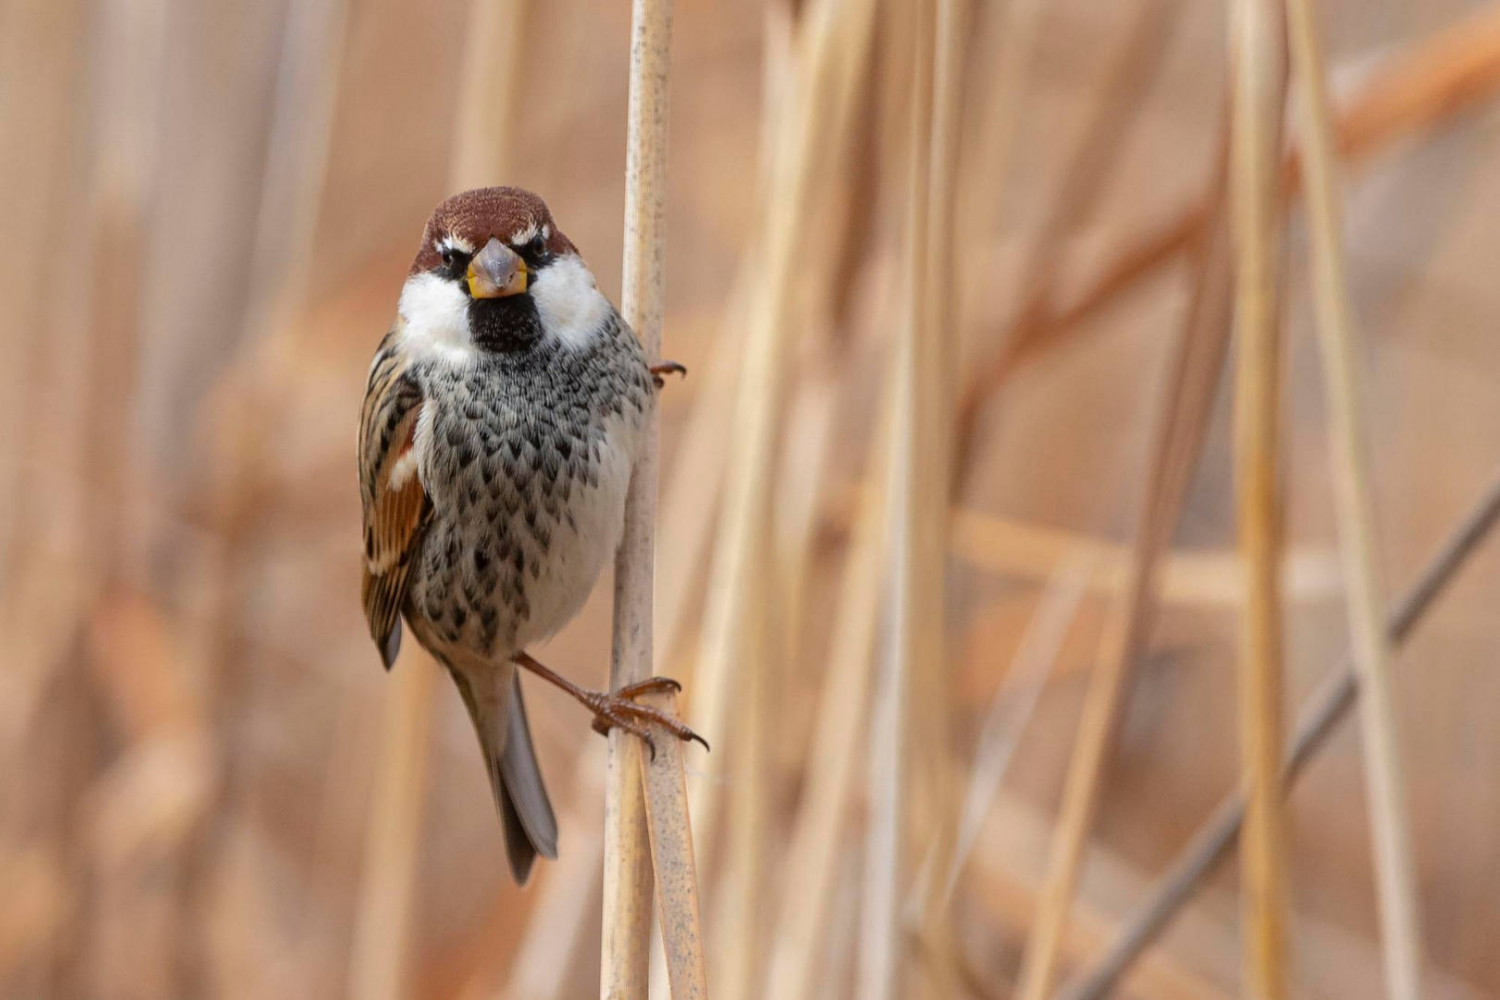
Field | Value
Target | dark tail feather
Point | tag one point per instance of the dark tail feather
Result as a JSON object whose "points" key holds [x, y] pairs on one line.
{"points": [[520, 796], [526, 808]]}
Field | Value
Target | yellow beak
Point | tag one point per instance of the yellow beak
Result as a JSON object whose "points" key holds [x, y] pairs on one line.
{"points": [[497, 271]]}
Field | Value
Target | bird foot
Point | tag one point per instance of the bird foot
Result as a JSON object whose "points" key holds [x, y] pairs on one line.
{"points": [[618, 710], [665, 368]]}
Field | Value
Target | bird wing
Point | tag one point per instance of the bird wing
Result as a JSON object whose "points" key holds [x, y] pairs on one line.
{"points": [[396, 507]]}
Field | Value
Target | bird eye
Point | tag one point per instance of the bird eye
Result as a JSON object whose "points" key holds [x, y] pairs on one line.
{"points": [[537, 248], [448, 256]]}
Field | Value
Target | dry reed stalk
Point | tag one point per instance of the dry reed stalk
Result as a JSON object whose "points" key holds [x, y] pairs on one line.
{"points": [[1427, 83], [811, 859], [915, 531], [1257, 99], [672, 861], [383, 920], [1395, 871], [936, 801], [626, 936], [1191, 381], [1320, 715], [632, 846]]}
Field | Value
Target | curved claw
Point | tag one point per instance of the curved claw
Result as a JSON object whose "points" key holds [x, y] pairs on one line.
{"points": [[618, 710], [651, 685], [662, 369]]}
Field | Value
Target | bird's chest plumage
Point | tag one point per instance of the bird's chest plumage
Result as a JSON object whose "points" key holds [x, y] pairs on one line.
{"points": [[526, 460]]}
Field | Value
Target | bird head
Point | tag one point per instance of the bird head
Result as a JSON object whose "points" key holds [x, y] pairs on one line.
{"points": [[494, 272]]}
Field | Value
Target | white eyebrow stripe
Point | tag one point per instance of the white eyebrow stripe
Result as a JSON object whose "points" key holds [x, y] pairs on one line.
{"points": [[525, 236], [453, 242]]}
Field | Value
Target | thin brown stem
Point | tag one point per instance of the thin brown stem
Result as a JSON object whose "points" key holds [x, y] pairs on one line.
{"points": [[916, 500], [1258, 95]]}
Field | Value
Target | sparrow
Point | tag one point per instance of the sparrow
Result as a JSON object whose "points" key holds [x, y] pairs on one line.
{"points": [[500, 425]]}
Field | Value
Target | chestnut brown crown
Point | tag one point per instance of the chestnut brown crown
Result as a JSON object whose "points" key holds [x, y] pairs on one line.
{"points": [[510, 214]]}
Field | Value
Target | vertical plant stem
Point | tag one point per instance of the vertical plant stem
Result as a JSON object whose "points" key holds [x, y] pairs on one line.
{"points": [[630, 843], [1395, 874], [937, 809], [672, 860], [1257, 109], [625, 939], [913, 631]]}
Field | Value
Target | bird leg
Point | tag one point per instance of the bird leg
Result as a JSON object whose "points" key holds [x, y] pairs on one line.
{"points": [[616, 709], [661, 370]]}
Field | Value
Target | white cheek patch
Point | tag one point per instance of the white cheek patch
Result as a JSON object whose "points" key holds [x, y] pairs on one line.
{"points": [[435, 315], [571, 306]]}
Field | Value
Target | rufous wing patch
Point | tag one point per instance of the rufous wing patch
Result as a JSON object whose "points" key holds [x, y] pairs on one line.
{"points": [[396, 507]]}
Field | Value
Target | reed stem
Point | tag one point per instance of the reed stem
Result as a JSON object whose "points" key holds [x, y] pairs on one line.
{"points": [[1395, 871], [1258, 94], [646, 816]]}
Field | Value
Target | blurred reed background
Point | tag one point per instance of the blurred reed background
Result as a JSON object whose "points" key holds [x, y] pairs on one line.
{"points": [[947, 519]]}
